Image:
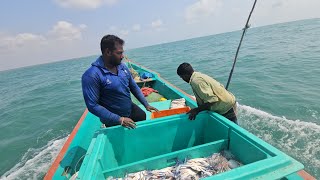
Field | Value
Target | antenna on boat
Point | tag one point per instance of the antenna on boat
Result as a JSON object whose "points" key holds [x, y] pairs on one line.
{"points": [[244, 31]]}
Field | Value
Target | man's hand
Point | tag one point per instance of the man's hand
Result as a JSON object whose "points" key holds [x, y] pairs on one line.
{"points": [[127, 122], [150, 108], [193, 113]]}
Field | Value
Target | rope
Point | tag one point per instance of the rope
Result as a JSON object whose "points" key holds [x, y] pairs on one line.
{"points": [[144, 82], [244, 31], [132, 70], [129, 63], [126, 59], [75, 167]]}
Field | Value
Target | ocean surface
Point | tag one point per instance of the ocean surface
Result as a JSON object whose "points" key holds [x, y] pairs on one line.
{"points": [[276, 82]]}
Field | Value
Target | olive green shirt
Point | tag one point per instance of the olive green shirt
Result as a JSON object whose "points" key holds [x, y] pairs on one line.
{"points": [[208, 90]]}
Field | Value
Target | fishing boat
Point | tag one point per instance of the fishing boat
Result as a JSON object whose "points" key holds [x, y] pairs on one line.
{"points": [[96, 152]]}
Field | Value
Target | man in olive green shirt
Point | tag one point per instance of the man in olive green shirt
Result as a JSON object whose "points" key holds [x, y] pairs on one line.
{"points": [[210, 94]]}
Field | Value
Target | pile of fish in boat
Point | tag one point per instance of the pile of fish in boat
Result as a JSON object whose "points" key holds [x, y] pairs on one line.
{"points": [[189, 169]]}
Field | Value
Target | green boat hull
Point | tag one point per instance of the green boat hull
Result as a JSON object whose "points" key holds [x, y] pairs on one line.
{"points": [[96, 153]]}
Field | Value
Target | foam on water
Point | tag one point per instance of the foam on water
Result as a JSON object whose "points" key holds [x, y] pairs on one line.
{"points": [[35, 162], [299, 139]]}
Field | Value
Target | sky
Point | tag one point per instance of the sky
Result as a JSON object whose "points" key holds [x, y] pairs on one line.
{"points": [[43, 31]]}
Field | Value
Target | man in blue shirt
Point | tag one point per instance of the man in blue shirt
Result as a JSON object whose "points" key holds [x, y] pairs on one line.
{"points": [[107, 84]]}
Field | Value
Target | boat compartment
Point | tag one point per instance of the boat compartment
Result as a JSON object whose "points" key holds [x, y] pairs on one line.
{"points": [[117, 151]]}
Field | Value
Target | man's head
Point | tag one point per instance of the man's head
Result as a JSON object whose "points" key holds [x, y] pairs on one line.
{"points": [[112, 49], [185, 71]]}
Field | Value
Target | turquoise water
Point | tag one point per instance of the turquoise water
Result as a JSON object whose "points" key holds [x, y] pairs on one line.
{"points": [[276, 82]]}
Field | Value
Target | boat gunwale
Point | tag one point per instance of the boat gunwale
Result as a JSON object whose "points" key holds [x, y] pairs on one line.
{"points": [[52, 170]]}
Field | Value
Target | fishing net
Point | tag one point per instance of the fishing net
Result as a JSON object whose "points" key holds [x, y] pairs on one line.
{"points": [[178, 103], [152, 97]]}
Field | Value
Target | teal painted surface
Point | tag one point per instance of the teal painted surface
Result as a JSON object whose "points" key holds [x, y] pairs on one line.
{"points": [[293, 177], [276, 83], [80, 144], [78, 147], [160, 143]]}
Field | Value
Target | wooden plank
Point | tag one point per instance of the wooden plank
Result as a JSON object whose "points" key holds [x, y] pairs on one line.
{"points": [[143, 81]]}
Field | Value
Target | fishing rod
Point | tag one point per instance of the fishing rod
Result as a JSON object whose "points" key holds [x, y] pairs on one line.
{"points": [[244, 31]]}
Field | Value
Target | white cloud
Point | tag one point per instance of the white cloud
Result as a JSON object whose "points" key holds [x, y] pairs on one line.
{"points": [[118, 31], [82, 26], [124, 32], [25, 38], [11, 42], [201, 9], [84, 4], [136, 27], [61, 31], [66, 31], [62, 41], [157, 23]]}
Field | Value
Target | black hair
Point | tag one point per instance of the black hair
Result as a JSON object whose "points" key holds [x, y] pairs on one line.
{"points": [[109, 41], [185, 69]]}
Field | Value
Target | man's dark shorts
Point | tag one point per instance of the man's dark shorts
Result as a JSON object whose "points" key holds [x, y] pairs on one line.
{"points": [[232, 114], [137, 114]]}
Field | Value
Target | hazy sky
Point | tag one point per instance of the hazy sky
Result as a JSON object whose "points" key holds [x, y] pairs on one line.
{"points": [[42, 31]]}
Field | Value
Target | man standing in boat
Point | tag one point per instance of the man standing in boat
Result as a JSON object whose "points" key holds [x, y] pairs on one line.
{"points": [[107, 84], [210, 94]]}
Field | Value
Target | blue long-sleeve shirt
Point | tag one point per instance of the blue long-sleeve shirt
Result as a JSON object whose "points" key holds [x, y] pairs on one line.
{"points": [[107, 95]]}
